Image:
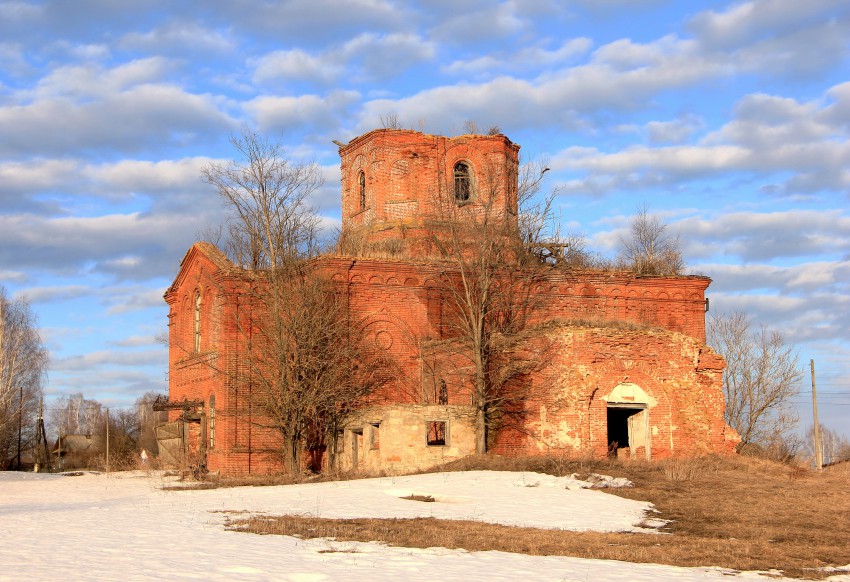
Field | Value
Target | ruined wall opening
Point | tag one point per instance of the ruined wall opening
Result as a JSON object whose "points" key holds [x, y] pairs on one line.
{"points": [[437, 433], [627, 430]]}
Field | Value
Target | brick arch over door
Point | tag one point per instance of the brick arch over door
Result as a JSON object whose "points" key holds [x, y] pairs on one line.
{"points": [[659, 405]]}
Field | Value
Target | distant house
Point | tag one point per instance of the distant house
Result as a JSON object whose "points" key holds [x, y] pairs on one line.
{"points": [[76, 451], [627, 366]]}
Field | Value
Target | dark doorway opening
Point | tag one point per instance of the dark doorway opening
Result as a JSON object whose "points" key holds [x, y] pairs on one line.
{"points": [[618, 426]]}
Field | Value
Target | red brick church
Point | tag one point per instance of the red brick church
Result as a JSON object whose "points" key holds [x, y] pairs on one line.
{"points": [[626, 359]]}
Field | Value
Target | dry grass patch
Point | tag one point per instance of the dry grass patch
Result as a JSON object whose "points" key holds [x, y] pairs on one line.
{"points": [[738, 513]]}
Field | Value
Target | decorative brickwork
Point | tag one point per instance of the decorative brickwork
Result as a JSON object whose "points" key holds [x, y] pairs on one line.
{"points": [[625, 356]]}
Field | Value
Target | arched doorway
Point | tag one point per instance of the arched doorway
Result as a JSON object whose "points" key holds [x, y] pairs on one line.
{"points": [[628, 421]]}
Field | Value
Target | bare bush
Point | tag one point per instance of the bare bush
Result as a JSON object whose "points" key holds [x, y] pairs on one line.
{"points": [[650, 249]]}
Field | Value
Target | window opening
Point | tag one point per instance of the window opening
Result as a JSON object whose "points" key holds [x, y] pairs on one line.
{"points": [[361, 180], [356, 445], [197, 322], [463, 182], [443, 395], [212, 421], [437, 433], [375, 436]]}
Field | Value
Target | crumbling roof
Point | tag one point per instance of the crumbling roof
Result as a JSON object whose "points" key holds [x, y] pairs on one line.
{"points": [[210, 251]]}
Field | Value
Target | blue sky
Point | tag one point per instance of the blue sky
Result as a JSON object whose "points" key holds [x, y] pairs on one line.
{"points": [[729, 119]]}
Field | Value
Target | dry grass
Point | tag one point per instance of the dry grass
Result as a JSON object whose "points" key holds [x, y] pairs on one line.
{"points": [[738, 513]]}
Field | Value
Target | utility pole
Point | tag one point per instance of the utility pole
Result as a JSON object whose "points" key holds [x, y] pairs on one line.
{"points": [[20, 422], [818, 452], [39, 432], [107, 440]]}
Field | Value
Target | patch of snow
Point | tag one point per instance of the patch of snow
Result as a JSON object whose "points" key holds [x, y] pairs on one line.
{"points": [[126, 527], [598, 481]]}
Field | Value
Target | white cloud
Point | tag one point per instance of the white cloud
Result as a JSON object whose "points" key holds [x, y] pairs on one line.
{"points": [[143, 116], [743, 22], [491, 22], [676, 131], [528, 59], [180, 36], [805, 144], [91, 80], [296, 64], [288, 113], [109, 359], [365, 57], [56, 293], [134, 300]]}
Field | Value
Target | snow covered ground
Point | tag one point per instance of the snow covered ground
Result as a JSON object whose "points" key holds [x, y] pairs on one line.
{"points": [[125, 527]]}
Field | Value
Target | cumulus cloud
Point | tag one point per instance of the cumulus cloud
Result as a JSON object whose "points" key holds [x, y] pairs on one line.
{"points": [[528, 59], [488, 22], [286, 114], [133, 300], [366, 57], [675, 131], [804, 143], [102, 244], [139, 118], [56, 293], [309, 22], [763, 237], [179, 37], [743, 22]]}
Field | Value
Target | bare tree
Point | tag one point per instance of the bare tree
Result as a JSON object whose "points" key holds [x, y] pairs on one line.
{"points": [[23, 364], [762, 375], [487, 280], [75, 414], [650, 249], [303, 361], [273, 224], [834, 446]]}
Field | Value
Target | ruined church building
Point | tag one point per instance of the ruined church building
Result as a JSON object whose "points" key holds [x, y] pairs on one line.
{"points": [[626, 359]]}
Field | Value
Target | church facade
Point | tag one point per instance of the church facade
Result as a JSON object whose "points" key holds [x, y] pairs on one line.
{"points": [[618, 358]]}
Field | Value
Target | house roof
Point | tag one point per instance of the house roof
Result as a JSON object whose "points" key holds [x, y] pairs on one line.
{"points": [[73, 443]]}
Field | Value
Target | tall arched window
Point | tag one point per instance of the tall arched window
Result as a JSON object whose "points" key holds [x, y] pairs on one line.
{"points": [[212, 421], [197, 323], [463, 182], [361, 182]]}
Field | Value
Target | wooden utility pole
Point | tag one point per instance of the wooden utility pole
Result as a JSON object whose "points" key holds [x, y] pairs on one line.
{"points": [[818, 452], [40, 439], [20, 422], [107, 440]]}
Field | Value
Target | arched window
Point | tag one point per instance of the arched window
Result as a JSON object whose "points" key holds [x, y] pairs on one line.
{"points": [[212, 421], [361, 182], [463, 182], [197, 323]]}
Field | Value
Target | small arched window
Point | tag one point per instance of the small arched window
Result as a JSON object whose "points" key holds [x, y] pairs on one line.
{"points": [[212, 421], [361, 183], [197, 323], [463, 182]]}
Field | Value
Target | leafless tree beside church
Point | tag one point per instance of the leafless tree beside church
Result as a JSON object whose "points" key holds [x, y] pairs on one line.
{"points": [[23, 365], [304, 363], [487, 283], [762, 375]]}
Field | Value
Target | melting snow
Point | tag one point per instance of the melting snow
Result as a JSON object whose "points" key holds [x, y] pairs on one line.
{"points": [[125, 527]]}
